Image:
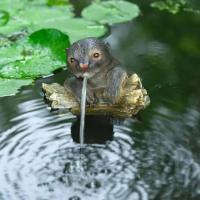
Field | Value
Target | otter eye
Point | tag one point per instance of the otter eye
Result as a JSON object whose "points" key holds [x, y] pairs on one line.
{"points": [[96, 55], [72, 60]]}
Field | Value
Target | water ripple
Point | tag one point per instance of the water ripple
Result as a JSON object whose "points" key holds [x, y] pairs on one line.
{"points": [[39, 160]]}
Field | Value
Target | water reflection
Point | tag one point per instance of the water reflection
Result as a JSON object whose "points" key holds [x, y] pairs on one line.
{"points": [[98, 130], [169, 157]]}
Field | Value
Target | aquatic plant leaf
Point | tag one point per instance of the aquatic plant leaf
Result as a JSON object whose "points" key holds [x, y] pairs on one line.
{"points": [[57, 2], [59, 17], [31, 62], [12, 6], [11, 86], [78, 28], [4, 41], [4, 17], [34, 57], [169, 5], [53, 39], [111, 12], [35, 18]]}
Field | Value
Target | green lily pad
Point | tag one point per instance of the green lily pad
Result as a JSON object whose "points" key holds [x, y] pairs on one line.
{"points": [[4, 41], [111, 12], [169, 5], [77, 28], [53, 39], [11, 86], [57, 2], [12, 6], [34, 57], [4, 17], [35, 18], [61, 18]]}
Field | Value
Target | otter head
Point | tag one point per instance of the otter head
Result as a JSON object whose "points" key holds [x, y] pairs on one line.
{"points": [[89, 56]]}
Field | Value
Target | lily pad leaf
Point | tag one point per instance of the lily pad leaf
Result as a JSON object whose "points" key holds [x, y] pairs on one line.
{"points": [[53, 39], [11, 86], [4, 41], [35, 18], [12, 6], [4, 17], [78, 28], [169, 5], [111, 12], [34, 57], [57, 2], [61, 18]]}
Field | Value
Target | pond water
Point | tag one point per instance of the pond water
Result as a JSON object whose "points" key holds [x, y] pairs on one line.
{"points": [[157, 157]]}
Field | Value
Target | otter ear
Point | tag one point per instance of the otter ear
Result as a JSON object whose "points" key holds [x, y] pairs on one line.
{"points": [[107, 44]]}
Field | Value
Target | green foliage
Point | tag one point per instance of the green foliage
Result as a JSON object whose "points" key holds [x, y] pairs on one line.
{"points": [[11, 86], [57, 2], [43, 53], [4, 17], [35, 18], [4, 41], [169, 5], [77, 28], [12, 6], [111, 12], [38, 17], [52, 39], [174, 7]]}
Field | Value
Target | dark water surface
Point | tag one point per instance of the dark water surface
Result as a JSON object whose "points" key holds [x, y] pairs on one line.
{"points": [[157, 158]]}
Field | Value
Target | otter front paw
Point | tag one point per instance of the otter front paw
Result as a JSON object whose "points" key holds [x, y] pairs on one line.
{"points": [[91, 98]]}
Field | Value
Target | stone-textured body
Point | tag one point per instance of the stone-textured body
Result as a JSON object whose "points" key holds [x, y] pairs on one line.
{"points": [[105, 75]]}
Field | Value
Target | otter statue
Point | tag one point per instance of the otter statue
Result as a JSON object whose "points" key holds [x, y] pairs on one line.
{"points": [[104, 72]]}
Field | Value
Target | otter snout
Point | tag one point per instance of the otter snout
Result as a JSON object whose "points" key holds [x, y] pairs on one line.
{"points": [[84, 66]]}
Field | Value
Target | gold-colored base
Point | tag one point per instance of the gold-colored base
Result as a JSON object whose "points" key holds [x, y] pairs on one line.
{"points": [[133, 98]]}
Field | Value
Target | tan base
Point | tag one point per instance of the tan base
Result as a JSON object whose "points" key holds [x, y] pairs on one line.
{"points": [[132, 99]]}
